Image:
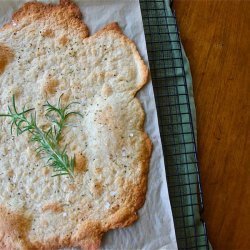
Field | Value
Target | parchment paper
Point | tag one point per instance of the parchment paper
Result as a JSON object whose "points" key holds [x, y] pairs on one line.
{"points": [[155, 228]]}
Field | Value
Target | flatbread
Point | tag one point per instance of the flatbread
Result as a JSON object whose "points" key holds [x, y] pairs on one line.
{"points": [[45, 52]]}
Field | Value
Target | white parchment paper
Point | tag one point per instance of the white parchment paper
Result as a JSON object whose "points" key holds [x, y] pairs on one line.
{"points": [[155, 228]]}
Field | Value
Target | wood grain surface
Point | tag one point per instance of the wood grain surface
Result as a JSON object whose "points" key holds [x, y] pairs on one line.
{"points": [[216, 37]]}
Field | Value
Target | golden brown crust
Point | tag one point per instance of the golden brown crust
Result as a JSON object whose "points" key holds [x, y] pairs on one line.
{"points": [[50, 86], [80, 163], [55, 207], [110, 27], [66, 14], [63, 40], [48, 33], [13, 230], [6, 56], [87, 234]]}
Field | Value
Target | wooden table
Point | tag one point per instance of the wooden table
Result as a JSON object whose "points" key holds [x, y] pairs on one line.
{"points": [[216, 37]]}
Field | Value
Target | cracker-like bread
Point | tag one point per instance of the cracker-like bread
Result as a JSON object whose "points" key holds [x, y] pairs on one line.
{"points": [[45, 52]]}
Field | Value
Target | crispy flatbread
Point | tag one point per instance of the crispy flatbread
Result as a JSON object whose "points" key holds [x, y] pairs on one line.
{"points": [[45, 52]]}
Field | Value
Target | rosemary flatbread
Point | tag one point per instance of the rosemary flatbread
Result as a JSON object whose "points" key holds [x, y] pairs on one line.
{"points": [[46, 56]]}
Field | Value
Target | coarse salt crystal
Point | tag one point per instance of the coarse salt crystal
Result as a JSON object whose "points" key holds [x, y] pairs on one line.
{"points": [[113, 193], [64, 214], [83, 102], [107, 205], [131, 134], [123, 152]]}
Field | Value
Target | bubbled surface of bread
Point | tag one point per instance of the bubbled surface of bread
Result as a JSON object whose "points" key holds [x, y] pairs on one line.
{"points": [[46, 52]]}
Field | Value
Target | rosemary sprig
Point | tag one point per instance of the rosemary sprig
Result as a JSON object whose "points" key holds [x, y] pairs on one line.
{"points": [[62, 113], [48, 140]]}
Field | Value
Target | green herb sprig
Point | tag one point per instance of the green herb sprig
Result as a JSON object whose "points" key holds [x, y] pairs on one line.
{"points": [[48, 140]]}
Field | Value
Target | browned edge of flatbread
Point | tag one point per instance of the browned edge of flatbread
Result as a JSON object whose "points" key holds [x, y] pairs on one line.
{"points": [[65, 14]]}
